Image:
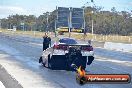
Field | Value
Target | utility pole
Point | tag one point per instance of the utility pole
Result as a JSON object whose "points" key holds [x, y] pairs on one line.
{"points": [[34, 24], [92, 4], [47, 28], [92, 24], [84, 18], [92, 18], [56, 21], [55, 28], [84, 23], [0, 24], [70, 23]]}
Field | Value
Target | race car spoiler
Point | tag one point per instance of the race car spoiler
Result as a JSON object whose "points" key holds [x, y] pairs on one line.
{"points": [[74, 44], [85, 47]]}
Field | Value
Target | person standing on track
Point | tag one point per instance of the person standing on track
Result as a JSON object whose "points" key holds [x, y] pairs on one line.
{"points": [[46, 41]]}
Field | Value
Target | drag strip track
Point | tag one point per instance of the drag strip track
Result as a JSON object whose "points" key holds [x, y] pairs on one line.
{"points": [[22, 38], [23, 59], [114, 54], [7, 80]]}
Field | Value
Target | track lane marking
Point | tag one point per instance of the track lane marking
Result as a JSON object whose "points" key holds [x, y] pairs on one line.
{"points": [[126, 63]]}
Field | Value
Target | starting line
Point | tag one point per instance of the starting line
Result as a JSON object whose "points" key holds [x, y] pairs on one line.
{"points": [[1, 85]]}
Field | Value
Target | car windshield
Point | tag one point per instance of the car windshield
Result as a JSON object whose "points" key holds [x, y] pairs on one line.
{"points": [[68, 41]]}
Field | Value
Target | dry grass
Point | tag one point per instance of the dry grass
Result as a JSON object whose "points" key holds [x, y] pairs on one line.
{"points": [[104, 38], [96, 37], [29, 33]]}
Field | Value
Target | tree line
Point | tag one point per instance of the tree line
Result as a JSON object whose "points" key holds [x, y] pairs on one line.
{"points": [[104, 22]]}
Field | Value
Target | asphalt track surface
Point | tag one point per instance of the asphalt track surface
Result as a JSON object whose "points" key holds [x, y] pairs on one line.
{"points": [[19, 59]]}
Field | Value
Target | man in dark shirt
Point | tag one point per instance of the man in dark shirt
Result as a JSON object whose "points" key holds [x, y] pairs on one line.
{"points": [[46, 42]]}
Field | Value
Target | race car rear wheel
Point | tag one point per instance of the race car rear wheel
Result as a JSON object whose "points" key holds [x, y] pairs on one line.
{"points": [[90, 60]]}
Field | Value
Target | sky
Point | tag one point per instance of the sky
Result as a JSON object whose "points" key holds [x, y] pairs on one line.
{"points": [[38, 7]]}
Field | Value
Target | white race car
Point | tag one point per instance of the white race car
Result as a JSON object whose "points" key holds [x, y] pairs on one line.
{"points": [[65, 53]]}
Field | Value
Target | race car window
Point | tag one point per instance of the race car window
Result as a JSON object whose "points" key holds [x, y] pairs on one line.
{"points": [[68, 41]]}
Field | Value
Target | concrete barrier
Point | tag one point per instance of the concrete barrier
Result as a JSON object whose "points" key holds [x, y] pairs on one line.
{"points": [[118, 46]]}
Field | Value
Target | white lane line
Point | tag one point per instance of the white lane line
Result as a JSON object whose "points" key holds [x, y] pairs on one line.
{"points": [[38, 44], [1, 85], [112, 60], [126, 63]]}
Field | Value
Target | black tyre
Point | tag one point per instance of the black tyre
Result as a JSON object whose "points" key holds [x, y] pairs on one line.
{"points": [[80, 81], [49, 65], [90, 60], [41, 61], [49, 62]]}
